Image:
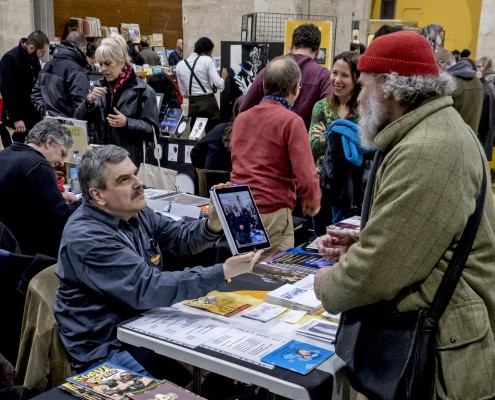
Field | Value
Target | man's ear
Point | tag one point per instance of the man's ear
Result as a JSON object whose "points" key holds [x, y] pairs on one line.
{"points": [[97, 197], [30, 48]]}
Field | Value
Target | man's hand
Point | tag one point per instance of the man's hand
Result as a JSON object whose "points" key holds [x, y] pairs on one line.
{"points": [[213, 223], [240, 264], [334, 244], [317, 283], [19, 126]]}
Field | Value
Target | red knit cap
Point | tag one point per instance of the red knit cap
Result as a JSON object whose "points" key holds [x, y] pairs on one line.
{"points": [[405, 52]]}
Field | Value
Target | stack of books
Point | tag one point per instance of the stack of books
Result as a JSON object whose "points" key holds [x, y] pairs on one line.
{"points": [[108, 381], [298, 296]]}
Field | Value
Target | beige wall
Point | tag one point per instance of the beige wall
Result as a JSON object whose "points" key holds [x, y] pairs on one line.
{"points": [[16, 21], [220, 20], [486, 42]]}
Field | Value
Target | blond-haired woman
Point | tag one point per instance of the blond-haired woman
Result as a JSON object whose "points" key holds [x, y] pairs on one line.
{"points": [[121, 107]]}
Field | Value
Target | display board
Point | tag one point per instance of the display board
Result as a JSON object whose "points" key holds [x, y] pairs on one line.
{"points": [[248, 58]]}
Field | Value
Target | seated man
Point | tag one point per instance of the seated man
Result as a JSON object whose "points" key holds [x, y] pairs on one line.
{"points": [[112, 265], [31, 205]]}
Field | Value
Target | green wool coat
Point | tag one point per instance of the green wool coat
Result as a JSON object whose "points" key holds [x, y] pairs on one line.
{"points": [[425, 190]]}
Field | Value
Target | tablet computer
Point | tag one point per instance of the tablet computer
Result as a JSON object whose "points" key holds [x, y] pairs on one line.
{"points": [[240, 219]]}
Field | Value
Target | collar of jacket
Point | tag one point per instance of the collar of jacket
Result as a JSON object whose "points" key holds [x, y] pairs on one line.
{"points": [[395, 132]]}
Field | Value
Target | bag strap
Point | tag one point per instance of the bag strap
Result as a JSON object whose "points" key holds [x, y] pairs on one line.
{"points": [[144, 147], [459, 258], [193, 75], [457, 262]]}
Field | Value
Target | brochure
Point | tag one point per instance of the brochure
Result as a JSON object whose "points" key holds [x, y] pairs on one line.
{"points": [[297, 356]]}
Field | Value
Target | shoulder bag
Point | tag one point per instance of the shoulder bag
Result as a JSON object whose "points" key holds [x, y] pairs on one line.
{"points": [[156, 176], [390, 354]]}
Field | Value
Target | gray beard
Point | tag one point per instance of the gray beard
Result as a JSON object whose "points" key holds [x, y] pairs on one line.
{"points": [[372, 118]]}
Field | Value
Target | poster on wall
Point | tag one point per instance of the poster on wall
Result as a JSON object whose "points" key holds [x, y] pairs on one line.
{"points": [[243, 60], [324, 56], [248, 58]]}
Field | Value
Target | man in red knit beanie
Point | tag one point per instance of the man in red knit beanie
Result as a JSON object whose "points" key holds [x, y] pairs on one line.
{"points": [[426, 176]]}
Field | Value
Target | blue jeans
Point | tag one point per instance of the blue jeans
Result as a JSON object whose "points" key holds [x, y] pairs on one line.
{"points": [[146, 362], [122, 358]]}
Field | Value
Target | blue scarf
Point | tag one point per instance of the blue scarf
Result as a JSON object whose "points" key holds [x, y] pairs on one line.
{"points": [[281, 100], [351, 141]]}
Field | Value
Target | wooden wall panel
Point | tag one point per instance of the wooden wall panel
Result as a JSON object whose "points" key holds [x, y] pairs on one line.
{"points": [[153, 16]]}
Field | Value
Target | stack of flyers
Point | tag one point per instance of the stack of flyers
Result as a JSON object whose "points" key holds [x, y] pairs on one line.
{"points": [[319, 330], [264, 312]]}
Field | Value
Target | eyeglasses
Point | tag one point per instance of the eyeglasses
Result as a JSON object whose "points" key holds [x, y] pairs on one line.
{"points": [[65, 151]]}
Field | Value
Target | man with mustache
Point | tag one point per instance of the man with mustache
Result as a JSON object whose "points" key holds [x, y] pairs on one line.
{"points": [[427, 178], [113, 265]]}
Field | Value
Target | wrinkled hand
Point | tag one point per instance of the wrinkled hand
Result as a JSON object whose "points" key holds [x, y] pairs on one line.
{"points": [[19, 126], [334, 244], [318, 129], [117, 120], [213, 222], [317, 283], [240, 264], [96, 93]]}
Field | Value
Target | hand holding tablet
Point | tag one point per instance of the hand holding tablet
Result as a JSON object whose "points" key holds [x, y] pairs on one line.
{"points": [[240, 219]]}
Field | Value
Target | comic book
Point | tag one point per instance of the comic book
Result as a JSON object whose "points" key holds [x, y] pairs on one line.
{"points": [[112, 381], [226, 304], [164, 390], [81, 393]]}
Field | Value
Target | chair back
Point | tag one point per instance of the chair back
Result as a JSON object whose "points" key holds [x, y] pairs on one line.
{"points": [[206, 178], [42, 362]]}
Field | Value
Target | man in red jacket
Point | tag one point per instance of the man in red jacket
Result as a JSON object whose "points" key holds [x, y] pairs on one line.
{"points": [[271, 154]]}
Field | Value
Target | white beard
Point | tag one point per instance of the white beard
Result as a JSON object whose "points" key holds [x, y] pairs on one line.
{"points": [[372, 118]]}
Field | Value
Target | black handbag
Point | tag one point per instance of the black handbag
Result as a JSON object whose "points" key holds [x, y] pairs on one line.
{"points": [[390, 354]]}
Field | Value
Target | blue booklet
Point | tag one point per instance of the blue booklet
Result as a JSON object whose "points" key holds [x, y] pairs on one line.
{"points": [[297, 356]]}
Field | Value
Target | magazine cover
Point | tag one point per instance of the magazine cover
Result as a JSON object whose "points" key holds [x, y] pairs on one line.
{"points": [[164, 391], [171, 121], [297, 356], [226, 304], [112, 380]]}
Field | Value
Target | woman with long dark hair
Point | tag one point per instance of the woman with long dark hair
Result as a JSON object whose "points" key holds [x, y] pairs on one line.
{"points": [[334, 138]]}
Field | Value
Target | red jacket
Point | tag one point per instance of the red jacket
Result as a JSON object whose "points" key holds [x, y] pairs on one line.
{"points": [[271, 154]]}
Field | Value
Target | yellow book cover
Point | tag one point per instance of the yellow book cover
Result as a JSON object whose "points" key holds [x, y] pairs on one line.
{"points": [[226, 304]]}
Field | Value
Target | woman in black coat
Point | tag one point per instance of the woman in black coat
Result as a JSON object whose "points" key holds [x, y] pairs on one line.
{"points": [[121, 106]]}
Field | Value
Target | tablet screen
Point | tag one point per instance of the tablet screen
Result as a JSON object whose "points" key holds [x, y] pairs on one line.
{"points": [[245, 228]]}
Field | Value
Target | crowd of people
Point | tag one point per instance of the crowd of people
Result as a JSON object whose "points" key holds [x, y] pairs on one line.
{"points": [[394, 132]]}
